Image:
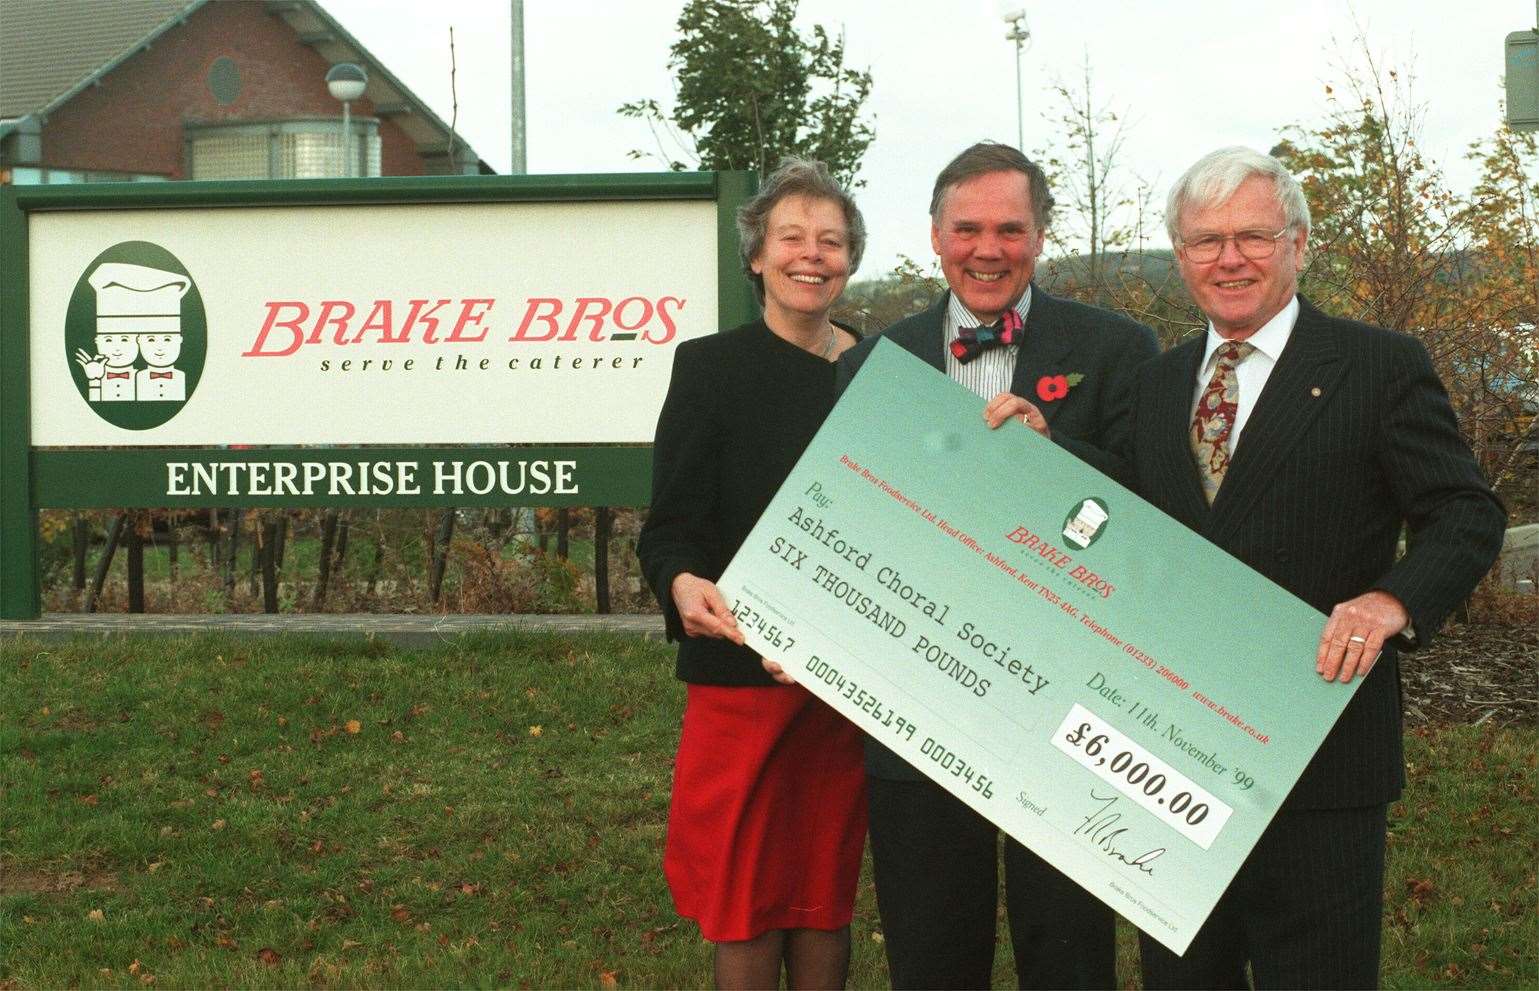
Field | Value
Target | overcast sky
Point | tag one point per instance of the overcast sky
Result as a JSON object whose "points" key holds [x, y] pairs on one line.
{"points": [[1191, 76]]}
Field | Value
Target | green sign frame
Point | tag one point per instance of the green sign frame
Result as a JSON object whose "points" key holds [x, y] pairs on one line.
{"points": [[136, 477]]}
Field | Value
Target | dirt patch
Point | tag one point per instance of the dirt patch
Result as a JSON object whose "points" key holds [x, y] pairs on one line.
{"points": [[1477, 673], [20, 881]]}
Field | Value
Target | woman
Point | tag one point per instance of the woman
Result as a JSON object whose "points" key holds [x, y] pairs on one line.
{"points": [[769, 810]]}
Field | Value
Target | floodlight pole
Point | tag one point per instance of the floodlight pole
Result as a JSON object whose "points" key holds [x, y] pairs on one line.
{"points": [[1018, 34], [520, 164]]}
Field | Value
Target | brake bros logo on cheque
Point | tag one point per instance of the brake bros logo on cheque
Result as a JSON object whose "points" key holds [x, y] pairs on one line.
{"points": [[1085, 522], [135, 335]]}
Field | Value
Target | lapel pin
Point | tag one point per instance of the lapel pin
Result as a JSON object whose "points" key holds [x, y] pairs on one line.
{"points": [[1315, 392]]}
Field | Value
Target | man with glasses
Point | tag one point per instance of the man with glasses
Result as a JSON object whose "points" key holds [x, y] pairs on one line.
{"points": [[1301, 443]]}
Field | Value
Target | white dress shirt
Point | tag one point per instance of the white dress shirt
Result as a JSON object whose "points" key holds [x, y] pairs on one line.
{"points": [[992, 371], [1253, 372]]}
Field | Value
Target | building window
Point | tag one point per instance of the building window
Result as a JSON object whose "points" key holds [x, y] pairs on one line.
{"points": [[26, 175], [306, 149]]}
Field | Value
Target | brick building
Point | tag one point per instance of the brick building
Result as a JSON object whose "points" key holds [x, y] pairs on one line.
{"points": [[197, 89]]}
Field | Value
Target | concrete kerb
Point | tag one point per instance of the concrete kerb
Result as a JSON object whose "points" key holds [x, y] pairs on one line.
{"points": [[402, 630]]}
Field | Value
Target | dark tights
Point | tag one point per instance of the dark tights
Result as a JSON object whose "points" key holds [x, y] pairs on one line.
{"points": [[813, 958]]}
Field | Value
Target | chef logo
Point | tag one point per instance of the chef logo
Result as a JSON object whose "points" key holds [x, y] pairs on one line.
{"points": [[1085, 522], [135, 335]]}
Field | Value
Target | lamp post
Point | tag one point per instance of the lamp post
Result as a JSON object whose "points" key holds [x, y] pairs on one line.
{"points": [[346, 82], [1018, 34]]}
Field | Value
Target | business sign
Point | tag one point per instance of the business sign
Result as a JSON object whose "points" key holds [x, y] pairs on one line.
{"points": [[451, 341], [500, 323]]}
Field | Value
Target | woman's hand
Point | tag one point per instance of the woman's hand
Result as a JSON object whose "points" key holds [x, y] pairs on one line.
{"points": [[776, 671], [703, 610]]}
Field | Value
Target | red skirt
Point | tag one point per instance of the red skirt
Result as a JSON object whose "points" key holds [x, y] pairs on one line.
{"points": [[768, 819]]}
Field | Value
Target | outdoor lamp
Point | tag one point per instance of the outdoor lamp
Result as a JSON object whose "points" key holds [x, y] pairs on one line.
{"points": [[346, 82]]}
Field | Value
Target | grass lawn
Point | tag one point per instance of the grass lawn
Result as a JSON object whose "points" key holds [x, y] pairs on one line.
{"points": [[298, 812]]}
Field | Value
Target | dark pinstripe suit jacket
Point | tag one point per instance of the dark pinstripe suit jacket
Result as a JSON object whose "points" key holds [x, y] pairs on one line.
{"points": [[1061, 337], [1352, 436]]}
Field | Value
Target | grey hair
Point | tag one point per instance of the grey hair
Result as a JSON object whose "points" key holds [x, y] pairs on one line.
{"points": [[1215, 176], [794, 177], [987, 157]]}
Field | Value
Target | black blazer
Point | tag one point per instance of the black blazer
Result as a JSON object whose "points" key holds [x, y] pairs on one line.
{"points": [[1352, 437], [1061, 337]]}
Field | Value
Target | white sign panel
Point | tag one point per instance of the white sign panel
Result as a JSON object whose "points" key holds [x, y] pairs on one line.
{"points": [[413, 324]]}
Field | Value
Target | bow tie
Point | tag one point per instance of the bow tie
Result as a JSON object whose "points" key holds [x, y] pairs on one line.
{"points": [[120, 375], [973, 341], [161, 375]]}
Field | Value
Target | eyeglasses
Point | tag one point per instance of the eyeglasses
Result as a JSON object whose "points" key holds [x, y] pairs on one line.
{"points": [[1254, 245]]}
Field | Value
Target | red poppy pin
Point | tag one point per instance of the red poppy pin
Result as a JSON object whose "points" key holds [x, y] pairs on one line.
{"points": [[1051, 388]]}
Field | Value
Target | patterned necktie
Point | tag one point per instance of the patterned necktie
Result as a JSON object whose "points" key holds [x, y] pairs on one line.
{"points": [[973, 341], [1214, 421]]}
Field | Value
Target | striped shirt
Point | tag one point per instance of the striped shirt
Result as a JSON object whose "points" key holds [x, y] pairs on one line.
{"points": [[991, 372]]}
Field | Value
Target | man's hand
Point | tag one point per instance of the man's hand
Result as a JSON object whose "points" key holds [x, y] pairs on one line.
{"points": [[703, 610], [1355, 634], [1009, 406], [776, 671]]}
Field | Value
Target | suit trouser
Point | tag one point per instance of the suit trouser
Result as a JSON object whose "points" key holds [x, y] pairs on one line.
{"points": [[1306, 910], [935, 864]]}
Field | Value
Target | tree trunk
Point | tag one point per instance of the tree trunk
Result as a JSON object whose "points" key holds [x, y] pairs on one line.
{"points": [[379, 559], [269, 565], [259, 545], [229, 563], [603, 519], [135, 559], [82, 539], [563, 532], [342, 529], [323, 569], [113, 535], [283, 539], [441, 553], [173, 546]]}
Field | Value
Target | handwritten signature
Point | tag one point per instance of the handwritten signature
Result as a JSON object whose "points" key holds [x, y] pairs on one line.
{"points": [[1101, 826]]}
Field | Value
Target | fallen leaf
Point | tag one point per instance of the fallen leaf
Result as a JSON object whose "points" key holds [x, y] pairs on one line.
{"points": [[157, 865], [400, 913], [269, 956], [134, 967], [283, 721], [536, 730], [398, 736], [146, 978], [89, 800], [96, 915], [469, 889], [255, 777], [609, 979], [218, 824], [354, 726]]}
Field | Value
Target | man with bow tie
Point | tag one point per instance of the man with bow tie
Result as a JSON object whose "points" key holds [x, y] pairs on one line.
{"points": [[1064, 369], [1301, 444]]}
